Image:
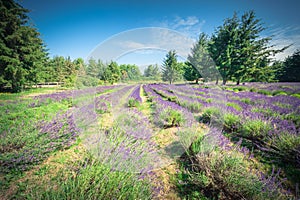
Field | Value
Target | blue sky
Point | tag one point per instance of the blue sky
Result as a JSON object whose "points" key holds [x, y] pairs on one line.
{"points": [[75, 27]]}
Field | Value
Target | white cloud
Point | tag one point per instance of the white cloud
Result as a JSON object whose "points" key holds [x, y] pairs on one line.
{"points": [[190, 26], [285, 36], [142, 39], [131, 44], [189, 21]]}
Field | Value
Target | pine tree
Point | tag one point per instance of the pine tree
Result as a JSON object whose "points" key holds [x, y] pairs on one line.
{"points": [[198, 51], [153, 72], [291, 68], [223, 48], [22, 51], [241, 54], [254, 51], [170, 68]]}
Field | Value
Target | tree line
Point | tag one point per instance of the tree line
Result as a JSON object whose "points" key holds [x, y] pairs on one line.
{"points": [[234, 52]]}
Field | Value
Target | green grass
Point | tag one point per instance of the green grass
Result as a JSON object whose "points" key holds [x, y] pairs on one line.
{"points": [[215, 173], [95, 181]]}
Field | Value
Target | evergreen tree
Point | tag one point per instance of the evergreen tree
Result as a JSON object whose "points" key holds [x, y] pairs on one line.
{"points": [[291, 68], [223, 48], [241, 54], [152, 72], [254, 60], [112, 73], [199, 53], [189, 72], [170, 68], [22, 51]]}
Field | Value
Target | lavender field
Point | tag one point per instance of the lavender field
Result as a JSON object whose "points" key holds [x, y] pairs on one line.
{"points": [[152, 141]]}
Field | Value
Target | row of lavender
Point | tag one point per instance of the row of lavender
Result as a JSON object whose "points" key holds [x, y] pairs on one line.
{"points": [[271, 123], [127, 145], [45, 136], [289, 87], [164, 98]]}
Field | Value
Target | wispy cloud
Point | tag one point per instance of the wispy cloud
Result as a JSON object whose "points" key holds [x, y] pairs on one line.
{"points": [[190, 26], [162, 39], [285, 36]]}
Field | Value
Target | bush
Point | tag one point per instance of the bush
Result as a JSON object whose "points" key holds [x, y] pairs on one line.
{"points": [[222, 174], [211, 114], [234, 105], [191, 106], [231, 122], [171, 118], [278, 92], [247, 101], [253, 90], [296, 95], [255, 129], [98, 182], [264, 92], [133, 102]]}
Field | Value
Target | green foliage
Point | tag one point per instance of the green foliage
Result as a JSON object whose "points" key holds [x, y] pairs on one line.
{"points": [[296, 95], [231, 122], [240, 53], [247, 101], [191, 106], [223, 47], [265, 92], [170, 118], [170, 71], [217, 173], [290, 71], [96, 181], [152, 72], [278, 92], [234, 105], [190, 73], [130, 72], [112, 73], [23, 53], [211, 114], [255, 128], [133, 102]]}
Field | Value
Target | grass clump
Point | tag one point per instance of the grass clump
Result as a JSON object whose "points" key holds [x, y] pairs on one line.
{"points": [[132, 102], [170, 118]]}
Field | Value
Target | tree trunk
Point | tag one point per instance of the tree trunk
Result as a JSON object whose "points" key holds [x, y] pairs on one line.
{"points": [[197, 80], [238, 82], [217, 81], [224, 81]]}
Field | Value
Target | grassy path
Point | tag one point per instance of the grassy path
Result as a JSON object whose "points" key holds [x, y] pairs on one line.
{"points": [[164, 177]]}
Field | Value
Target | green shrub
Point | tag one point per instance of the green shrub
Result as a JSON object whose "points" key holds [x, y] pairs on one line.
{"points": [[97, 182], [231, 122], [218, 173], [173, 99], [278, 92], [265, 92], [253, 90], [211, 114], [191, 106], [296, 95], [247, 101], [234, 105], [255, 128], [171, 118], [133, 102]]}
